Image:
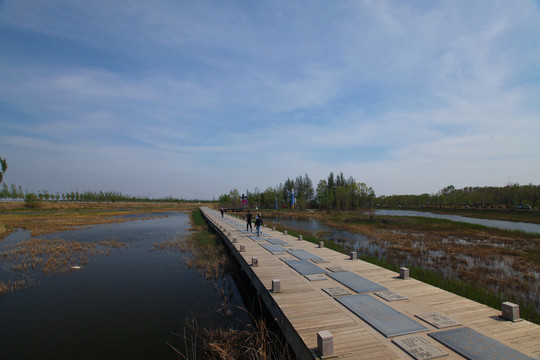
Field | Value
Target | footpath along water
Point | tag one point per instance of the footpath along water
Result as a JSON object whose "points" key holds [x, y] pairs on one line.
{"points": [[493, 262], [125, 305]]}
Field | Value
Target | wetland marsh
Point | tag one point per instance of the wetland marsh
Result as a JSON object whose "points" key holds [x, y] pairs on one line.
{"points": [[108, 282], [486, 264]]}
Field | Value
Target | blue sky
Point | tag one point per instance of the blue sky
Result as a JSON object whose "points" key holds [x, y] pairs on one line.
{"points": [[193, 98]]}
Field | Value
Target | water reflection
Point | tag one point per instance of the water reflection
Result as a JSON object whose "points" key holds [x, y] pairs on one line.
{"points": [[123, 305]]}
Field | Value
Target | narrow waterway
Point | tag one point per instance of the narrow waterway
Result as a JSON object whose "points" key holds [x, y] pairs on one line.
{"points": [[499, 224], [125, 303]]}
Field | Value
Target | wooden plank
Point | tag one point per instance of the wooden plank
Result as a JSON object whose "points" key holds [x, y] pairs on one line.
{"points": [[309, 309]]}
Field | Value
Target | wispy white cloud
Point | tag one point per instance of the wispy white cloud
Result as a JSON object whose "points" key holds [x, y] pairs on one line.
{"points": [[210, 96]]}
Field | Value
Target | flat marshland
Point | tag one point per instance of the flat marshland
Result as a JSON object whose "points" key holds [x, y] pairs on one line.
{"points": [[485, 264]]}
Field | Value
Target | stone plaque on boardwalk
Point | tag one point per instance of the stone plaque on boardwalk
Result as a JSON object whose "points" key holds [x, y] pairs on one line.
{"points": [[389, 295], [438, 320], [336, 291], [419, 348], [316, 277]]}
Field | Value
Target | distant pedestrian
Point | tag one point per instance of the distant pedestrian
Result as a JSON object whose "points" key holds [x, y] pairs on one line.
{"points": [[222, 211], [258, 224], [248, 219]]}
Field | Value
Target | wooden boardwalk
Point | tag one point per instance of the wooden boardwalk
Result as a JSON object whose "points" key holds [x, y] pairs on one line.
{"points": [[303, 308]]}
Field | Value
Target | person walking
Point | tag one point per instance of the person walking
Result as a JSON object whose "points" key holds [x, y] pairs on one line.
{"points": [[258, 224], [248, 219], [222, 211]]}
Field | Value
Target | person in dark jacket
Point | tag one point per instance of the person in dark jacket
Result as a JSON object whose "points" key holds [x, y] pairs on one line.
{"points": [[222, 211], [248, 219], [258, 224]]}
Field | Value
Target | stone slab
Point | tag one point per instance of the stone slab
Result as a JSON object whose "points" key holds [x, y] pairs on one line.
{"points": [[304, 267], [336, 291], [336, 269], [356, 282], [438, 320], [389, 295], [274, 249], [475, 346], [316, 277], [305, 255], [382, 317], [256, 238], [419, 348], [275, 241]]}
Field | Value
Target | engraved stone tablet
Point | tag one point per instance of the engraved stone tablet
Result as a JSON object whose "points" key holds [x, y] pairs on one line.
{"points": [[438, 320], [336, 269], [356, 282], [473, 345], [316, 277], [304, 267], [389, 295], [274, 249], [419, 348], [304, 255], [276, 241], [336, 291], [382, 317], [256, 238]]}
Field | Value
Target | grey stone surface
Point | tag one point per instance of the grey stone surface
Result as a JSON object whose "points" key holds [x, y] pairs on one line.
{"points": [[438, 320], [274, 249], [382, 317], [510, 311], [316, 277], [276, 241], [473, 345], [419, 348], [325, 343], [337, 291], [389, 295], [304, 267], [256, 238], [305, 255], [356, 282], [336, 269]]}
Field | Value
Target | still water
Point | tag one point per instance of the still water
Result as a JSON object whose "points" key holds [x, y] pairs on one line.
{"points": [[499, 224], [125, 305]]}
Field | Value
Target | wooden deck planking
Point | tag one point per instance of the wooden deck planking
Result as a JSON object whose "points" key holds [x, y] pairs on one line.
{"points": [[309, 309]]}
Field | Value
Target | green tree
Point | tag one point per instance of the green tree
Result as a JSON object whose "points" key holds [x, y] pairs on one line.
{"points": [[3, 168]]}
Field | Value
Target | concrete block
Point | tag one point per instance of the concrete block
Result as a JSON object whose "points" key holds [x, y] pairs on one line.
{"points": [[404, 273], [285, 232], [273, 228], [228, 233], [321, 244], [354, 256], [254, 261], [510, 311], [300, 237], [234, 240], [325, 343], [276, 285], [242, 248]]}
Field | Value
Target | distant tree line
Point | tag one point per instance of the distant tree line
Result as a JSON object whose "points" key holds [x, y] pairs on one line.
{"points": [[332, 193], [14, 192], [509, 196]]}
